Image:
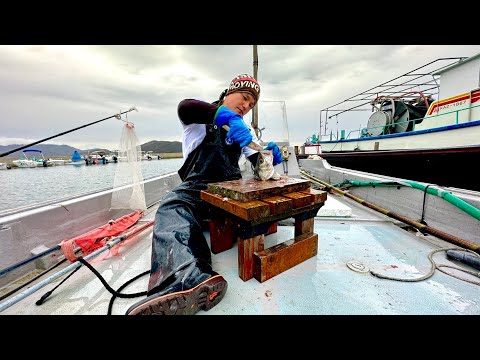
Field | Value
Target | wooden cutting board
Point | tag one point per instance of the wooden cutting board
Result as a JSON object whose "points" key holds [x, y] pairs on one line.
{"points": [[251, 189]]}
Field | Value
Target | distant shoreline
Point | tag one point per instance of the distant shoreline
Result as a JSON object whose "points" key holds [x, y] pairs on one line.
{"points": [[9, 160], [171, 155]]}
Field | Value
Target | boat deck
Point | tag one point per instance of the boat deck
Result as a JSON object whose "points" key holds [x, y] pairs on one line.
{"points": [[324, 284]]}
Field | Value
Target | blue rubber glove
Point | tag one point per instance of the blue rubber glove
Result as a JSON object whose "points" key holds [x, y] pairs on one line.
{"points": [[277, 154], [238, 132]]}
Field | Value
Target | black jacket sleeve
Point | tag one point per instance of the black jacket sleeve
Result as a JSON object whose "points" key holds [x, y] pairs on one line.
{"points": [[191, 111]]}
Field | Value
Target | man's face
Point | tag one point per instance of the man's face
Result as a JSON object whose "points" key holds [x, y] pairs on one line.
{"points": [[239, 102]]}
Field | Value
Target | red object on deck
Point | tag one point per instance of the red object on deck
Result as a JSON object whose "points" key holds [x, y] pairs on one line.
{"points": [[97, 238]]}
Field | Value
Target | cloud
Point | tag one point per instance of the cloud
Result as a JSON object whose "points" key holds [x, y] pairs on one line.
{"points": [[47, 90]]}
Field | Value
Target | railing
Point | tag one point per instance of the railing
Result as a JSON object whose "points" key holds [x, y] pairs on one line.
{"points": [[365, 132]]}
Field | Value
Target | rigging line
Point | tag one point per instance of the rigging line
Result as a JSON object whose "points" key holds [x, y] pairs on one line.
{"points": [[66, 132]]}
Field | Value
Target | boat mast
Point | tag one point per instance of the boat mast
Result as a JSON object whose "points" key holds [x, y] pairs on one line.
{"points": [[255, 75]]}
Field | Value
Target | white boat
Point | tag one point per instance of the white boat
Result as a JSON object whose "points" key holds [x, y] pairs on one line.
{"points": [[148, 155], [36, 160], [97, 157], [115, 156], [76, 160], [421, 122], [24, 162], [58, 162], [3, 166], [111, 158], [382, 250]]}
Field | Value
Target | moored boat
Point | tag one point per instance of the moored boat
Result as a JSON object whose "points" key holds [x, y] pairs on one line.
{"points": [[58, 162], [410, 134], [37, 160], [76, 159]]}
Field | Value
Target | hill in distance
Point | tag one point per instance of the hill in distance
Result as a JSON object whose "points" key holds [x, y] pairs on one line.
{"points": [[49, 150], [163, 146]]}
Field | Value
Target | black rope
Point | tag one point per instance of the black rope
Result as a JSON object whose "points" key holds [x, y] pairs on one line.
{"points": [[108, 287], [112, 299], [167, 279]]}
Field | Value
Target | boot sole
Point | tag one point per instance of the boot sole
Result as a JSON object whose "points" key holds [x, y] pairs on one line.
{"points": [[204, 296]]}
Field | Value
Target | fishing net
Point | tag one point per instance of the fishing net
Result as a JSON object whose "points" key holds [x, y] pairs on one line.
{"points": [[128, 173]]}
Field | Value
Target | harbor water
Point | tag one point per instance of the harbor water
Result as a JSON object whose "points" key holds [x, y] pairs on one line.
{"points": [[21, 188]]}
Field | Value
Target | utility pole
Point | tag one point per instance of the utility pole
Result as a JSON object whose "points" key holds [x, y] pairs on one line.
{"points": [[255, 75]]}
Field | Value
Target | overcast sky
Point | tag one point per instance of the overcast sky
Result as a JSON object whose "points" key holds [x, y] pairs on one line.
{"points": [[46, 90]]}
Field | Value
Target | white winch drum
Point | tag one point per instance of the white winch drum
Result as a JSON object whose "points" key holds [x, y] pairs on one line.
{"points": [[377, 122]]}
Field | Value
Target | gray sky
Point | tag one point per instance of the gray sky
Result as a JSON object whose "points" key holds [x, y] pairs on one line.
{"points": [[46, 90]]}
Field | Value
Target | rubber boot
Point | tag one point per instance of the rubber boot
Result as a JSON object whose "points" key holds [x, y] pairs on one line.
{"points": [[184, 293]]}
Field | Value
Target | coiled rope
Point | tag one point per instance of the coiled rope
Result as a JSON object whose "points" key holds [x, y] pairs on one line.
{"points": [[435, 266]]}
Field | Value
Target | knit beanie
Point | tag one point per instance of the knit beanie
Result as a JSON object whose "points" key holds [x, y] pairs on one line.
{"points": [[245, 83]]}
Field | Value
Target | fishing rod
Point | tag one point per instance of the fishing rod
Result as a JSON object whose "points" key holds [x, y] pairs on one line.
{"points": [[68, 131], [43, 253], [13, 291], [72, 266], [30, 259]]}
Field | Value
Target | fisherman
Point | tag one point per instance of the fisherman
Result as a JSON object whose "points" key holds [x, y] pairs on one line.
{"points": [[182, 281]]}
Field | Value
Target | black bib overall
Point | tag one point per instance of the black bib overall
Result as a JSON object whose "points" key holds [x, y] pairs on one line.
{"points": [[178, 240]]}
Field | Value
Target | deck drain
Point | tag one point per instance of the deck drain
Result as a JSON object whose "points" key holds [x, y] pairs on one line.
{"points": [[358, 267]]}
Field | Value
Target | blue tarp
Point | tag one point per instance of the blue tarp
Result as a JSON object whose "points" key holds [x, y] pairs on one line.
{"points": [[76, 156]]}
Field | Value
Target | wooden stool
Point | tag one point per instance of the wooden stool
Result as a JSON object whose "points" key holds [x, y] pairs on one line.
{"points": [[249, 210]]}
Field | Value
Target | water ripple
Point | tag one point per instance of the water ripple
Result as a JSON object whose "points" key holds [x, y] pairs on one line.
{"points": [[26, 187]]}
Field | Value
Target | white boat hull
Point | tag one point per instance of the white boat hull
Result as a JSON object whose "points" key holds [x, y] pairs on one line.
{"points": [[24, 163], [461, 135]]}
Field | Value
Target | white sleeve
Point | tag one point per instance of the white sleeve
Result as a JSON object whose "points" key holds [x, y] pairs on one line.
{"points": [[192, 136], [246, 150]]}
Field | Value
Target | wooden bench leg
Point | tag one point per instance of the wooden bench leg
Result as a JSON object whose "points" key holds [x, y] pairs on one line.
{"points": [[281, 257], [222, 233], [304, 226], [246, 249], [276, 259]]}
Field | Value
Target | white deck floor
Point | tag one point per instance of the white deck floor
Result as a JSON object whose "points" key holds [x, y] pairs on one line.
{"points": [[321, 285]]}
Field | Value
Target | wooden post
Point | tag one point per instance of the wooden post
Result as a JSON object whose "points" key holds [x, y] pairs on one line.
{"points": [[246, 248], [255, 108]]}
